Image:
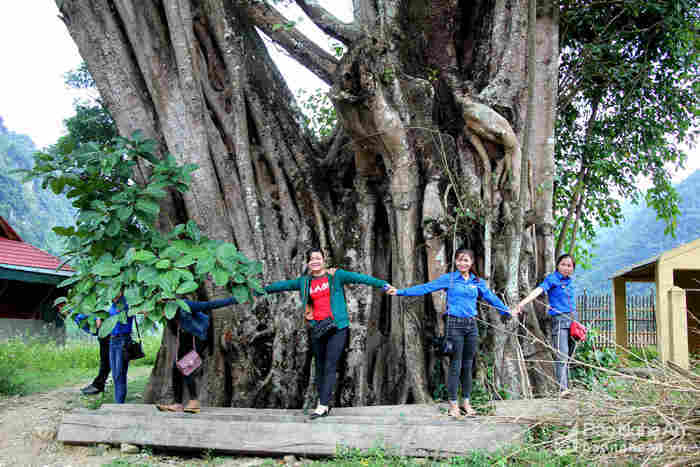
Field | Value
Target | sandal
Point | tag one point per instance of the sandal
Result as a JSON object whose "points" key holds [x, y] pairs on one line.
{"points": [[467, 411], [316, 415], [454, 411], [193, 407], [169, 407]]}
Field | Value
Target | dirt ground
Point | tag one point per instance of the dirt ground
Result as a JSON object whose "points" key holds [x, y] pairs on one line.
{"points": [[29, 425]]}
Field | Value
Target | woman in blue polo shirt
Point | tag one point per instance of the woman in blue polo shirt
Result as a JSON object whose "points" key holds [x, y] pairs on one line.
{"points": [[559, 288], [120, 337], [463, 288]]}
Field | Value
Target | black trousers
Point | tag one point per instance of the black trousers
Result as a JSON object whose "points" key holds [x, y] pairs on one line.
{"points": [[105, 368], [327, 351], [179, 381]]}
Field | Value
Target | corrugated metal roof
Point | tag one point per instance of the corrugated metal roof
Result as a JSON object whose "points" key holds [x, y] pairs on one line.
{"points": [[640, 265], [29, 257]]}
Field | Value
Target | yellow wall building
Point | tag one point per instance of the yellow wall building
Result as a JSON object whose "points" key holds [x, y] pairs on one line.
{"points": [[676, 274]]}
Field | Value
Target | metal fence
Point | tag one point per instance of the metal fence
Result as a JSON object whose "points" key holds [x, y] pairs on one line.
{"points": [[596, 311]]}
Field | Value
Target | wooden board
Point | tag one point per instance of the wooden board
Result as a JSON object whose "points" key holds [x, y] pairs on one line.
{"points": [[420, 431]]}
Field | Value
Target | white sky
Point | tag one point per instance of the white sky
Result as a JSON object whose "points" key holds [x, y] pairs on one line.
{"points": [[36, 51]]}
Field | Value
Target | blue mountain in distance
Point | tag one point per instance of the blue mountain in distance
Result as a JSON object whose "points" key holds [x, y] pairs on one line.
{"points": [[639, 237]]}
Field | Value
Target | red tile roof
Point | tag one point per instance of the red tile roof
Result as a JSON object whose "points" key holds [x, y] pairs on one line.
{"points": [[16, 253], [24, 255]]}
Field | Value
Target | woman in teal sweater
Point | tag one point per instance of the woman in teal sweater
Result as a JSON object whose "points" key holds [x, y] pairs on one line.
{"points": [[323, 302]]}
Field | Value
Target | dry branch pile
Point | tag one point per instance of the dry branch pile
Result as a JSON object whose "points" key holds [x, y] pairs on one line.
{"points": [[652, 420]]}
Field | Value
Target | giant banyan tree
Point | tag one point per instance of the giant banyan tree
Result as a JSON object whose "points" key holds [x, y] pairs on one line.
{"points": [[445, 136]]}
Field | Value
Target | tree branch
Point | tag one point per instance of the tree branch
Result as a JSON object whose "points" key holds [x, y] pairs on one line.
{"points": [[347, 33], [577, 195], [297, 45]]}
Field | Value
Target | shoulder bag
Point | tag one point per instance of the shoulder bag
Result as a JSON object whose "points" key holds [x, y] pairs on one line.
{"points": [[191, 361], [577, 331], [134, 350]]}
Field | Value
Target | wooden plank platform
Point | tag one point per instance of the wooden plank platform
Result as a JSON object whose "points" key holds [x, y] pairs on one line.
{"points": [[411, 430]]}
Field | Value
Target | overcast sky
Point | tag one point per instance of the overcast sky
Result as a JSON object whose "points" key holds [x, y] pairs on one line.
{"points": [[36, 51]]}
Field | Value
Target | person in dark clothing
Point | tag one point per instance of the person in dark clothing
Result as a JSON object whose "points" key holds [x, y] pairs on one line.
{"points": [[186, 342], [98, 384]]}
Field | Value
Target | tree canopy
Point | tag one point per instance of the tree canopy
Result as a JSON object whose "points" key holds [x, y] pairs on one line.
{"points": [[628, 103]]}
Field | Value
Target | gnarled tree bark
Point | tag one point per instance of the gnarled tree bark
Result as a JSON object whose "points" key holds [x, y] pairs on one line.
{"points": [[424, 86]]}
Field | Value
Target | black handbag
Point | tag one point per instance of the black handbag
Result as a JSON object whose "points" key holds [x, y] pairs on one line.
{"points": [[323, 327], [134, 350], [444, 347]]}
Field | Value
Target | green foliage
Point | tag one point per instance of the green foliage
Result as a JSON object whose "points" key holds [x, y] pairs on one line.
{"points": [[640, 237], [596, 362], [628, 99], [642, 357], [29, 365], [318, 110], [115, 245]]}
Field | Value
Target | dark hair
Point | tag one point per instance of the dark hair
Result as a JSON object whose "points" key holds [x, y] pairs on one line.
{"points": [[563, 257], [312, 250], [466, 251]]}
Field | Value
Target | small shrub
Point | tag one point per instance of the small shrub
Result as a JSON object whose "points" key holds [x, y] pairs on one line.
{"points": [[8, 371], [594, 361], [642, 356]]}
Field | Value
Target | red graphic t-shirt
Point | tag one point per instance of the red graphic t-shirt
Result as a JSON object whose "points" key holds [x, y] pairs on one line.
{"points": [[321, 298]]}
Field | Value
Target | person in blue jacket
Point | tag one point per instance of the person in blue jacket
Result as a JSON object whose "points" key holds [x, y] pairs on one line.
{"points": [[463, 288], [559, 287], [119, 338], [323, 301], [194, 332], [98, 384]]}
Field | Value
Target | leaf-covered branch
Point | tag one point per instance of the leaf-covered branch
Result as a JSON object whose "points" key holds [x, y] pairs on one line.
{"points": [[115, 246], [326, 22], [296, 44]]}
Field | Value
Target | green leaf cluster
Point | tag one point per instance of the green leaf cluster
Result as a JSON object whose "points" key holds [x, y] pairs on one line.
{"points": [[115, 246], [628, 103]]}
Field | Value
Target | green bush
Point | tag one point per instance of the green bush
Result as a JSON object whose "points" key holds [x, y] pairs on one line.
{"points": [[595, 361], [8, 371]]}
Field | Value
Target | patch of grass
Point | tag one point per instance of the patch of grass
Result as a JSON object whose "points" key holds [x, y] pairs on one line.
{"points": [[123, 462], [134, 394], [28, 366], [519, 455], [641, 357]]}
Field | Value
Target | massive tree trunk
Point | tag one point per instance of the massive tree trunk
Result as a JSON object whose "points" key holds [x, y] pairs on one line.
{"points": [[431, 100]]}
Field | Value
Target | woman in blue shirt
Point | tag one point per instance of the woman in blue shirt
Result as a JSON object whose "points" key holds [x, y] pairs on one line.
{"points": [[559, 288], [463, 288]]}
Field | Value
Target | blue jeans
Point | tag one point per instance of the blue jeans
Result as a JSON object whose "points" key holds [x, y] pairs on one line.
{"points": [[327, 351], [120, 365], [564, 348], [465, 336]]}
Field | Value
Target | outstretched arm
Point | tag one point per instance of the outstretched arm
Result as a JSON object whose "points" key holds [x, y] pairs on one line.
{"points": [[492, 299], [537, 291], [440, 283], [347, 277], [283, 286], [210, 305]]}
